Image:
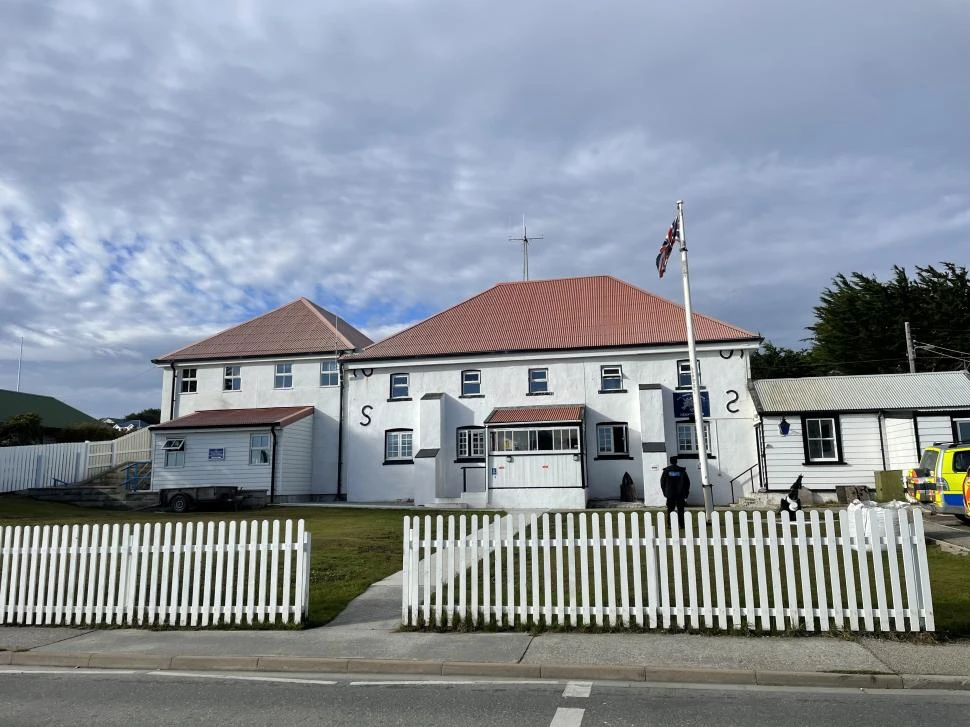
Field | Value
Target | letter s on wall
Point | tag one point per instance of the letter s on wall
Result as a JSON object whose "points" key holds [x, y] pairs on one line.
{"points": [[732, 401], [363, 412]]}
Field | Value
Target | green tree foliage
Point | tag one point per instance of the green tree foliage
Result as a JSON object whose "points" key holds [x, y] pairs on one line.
{"points": [[152, 416], [21, 429], [860, 320], [778, 362], [87, 432]]}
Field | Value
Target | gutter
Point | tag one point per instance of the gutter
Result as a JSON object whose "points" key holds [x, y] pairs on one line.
{"points": [[272, 471]]}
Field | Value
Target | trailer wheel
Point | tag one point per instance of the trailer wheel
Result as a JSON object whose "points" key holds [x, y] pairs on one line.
{"points": [[180, 503]]}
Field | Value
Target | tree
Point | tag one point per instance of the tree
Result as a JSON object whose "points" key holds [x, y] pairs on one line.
{"points": [[151, 416], [860, 321], [87, 432], [778, 362], [21, 429]]}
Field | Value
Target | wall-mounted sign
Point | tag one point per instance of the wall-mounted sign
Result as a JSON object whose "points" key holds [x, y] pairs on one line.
{"points": [[217, 454], [684, 404]]}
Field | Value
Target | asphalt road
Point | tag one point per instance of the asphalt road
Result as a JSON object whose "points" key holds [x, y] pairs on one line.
{"points": [[134, 699]]}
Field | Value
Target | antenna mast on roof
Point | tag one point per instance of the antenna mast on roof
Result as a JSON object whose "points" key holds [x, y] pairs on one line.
{"points": [[20, 362], [525, 240]]}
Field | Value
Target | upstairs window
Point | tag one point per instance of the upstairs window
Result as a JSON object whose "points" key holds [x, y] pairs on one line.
{"points": [[471, 443], [188, 381], [258, 449], [174, 452], [400, 386], [611, 378], [611, 438], [284, 376], [329, 373], [683, 373], [231, 381], [538, 381], [471, 383]]}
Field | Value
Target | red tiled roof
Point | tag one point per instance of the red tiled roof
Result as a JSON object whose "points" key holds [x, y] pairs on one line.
{"points": [[299, 327], [215, 418], [548, 315], [536, 414]]}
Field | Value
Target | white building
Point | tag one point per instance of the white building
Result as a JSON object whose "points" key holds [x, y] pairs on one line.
{"points": [[285, 358], [840, 430], [543, 394]]}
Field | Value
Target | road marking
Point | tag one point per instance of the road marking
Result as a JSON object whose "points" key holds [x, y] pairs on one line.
{"points": [[567, 717], [240, 677], [577, 689], [447, 683], [65, 670]]}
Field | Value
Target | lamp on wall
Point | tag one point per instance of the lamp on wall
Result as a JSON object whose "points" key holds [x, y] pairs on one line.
{"points": [[509, 458], [784, 427]]}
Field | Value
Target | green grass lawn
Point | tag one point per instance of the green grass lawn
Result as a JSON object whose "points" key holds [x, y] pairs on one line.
{"points": [[351, 548]]}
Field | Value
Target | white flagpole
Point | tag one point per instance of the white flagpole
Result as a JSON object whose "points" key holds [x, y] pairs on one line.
{"points": [[695, 375]]}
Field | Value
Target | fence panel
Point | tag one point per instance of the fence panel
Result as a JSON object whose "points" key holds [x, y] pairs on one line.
{"points": [[101, 574], [37, 465], [769, 573], [132, 447]]}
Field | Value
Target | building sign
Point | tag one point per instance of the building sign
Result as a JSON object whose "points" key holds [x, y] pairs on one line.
{"points": [[684, 404], [217, 454]]}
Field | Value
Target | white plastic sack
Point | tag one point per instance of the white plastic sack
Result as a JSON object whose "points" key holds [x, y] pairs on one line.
{"points": [[873, 515]]}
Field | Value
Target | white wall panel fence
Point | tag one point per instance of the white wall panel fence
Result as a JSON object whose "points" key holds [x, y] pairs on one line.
{"points": [[745, 571], [189, 574], [37, 465], [135, 446]]}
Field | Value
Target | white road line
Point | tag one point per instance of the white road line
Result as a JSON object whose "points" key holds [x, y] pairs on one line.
{"points": [[567, 717], [240, 677], [577, 689], [65, 670], [447, 683]]}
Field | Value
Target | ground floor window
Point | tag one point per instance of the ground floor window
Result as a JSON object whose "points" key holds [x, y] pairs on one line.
{"points": [[471, 443], [398, 445], [539, 439], [258, 449], [962, 429], [611, 438], [174, 452], [687, 438], [821, 439]]}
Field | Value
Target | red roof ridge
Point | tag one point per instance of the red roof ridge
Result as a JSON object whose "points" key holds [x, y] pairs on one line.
{"points": [[322, 314]]}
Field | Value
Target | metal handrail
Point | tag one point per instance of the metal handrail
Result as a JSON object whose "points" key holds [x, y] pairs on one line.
{"points": [[135, 476], [746, 472]]}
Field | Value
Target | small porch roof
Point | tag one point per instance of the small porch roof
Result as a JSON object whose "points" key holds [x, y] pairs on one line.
{"points": [[227, 418], [569, 413]]}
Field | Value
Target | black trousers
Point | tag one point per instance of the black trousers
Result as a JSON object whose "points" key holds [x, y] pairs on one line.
{"points": [[676, 504]]}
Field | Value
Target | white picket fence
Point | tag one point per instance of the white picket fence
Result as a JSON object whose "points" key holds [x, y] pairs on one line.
{"points": [[195, 574], [38, 465], [742, 572]]}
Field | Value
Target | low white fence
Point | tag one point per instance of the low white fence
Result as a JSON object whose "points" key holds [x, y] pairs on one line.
{"points": [[38, 465], [195, 574], [625, 569]]}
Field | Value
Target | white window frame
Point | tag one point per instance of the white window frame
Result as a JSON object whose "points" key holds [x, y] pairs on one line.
{"points": [[539, 378], [687, 438], [608, 445], [471, 378], [188, 381], [564, 439], [834, 438], [611, 374], [404, 382], [174, 452], [471, 443], [232, 378], [259, 450], [283, 376], [684, 373], [329, 373], [398, 445]]}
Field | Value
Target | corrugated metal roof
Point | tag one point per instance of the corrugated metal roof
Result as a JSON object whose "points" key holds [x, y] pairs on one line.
{"points": [[878, 392], [215, 418], [547, 315], [536, 414], [54, 413], [295, 328]]}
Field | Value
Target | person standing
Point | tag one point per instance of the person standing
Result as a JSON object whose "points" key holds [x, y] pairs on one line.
{"points": [[675, 485]]}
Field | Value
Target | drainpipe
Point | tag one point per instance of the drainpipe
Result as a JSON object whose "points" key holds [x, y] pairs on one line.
{"points": [[341, 497], [272, 470], [171, 405], [882, 438]]}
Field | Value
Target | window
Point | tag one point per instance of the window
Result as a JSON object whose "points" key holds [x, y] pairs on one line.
{"points": [[174, 452], [398, 445], [611, 378], [611, 438], [544, 439], [188, 382], [821, 439], [329, 373], [231, 380], [961, 427], [284, 376], [400, 386], [687, 438], [471, 383], [538, 381], [471, 443], [961, 461], [683, 373], [258, 449]]}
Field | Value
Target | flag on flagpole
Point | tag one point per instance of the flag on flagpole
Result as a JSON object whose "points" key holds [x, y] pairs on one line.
{"points": [[667, 246]]}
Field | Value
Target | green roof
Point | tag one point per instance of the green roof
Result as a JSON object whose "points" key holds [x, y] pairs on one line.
{"points": [[54, 414]]}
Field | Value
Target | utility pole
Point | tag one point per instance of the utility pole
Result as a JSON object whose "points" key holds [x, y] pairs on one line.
{"points": [[910, 353], [525, 240]]}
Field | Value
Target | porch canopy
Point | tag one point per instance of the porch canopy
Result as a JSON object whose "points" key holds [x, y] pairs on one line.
{"points": [[530, 415]]}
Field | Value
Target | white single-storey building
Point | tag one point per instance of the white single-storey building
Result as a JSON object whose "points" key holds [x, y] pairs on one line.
{"points": [[841, 430], [544, 394]]}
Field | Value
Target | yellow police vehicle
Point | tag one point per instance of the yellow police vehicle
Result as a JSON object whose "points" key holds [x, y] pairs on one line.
{"points": [[938, 480]]}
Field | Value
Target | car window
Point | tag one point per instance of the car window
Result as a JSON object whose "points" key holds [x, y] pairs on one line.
{"points": [[928, 462], [961, 461]]}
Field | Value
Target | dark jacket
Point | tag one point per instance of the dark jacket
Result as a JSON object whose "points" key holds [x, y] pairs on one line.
{"points": [[674, 482]]}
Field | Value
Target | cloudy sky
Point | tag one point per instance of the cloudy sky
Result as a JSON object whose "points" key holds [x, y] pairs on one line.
{"points": [[170, 168]]}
